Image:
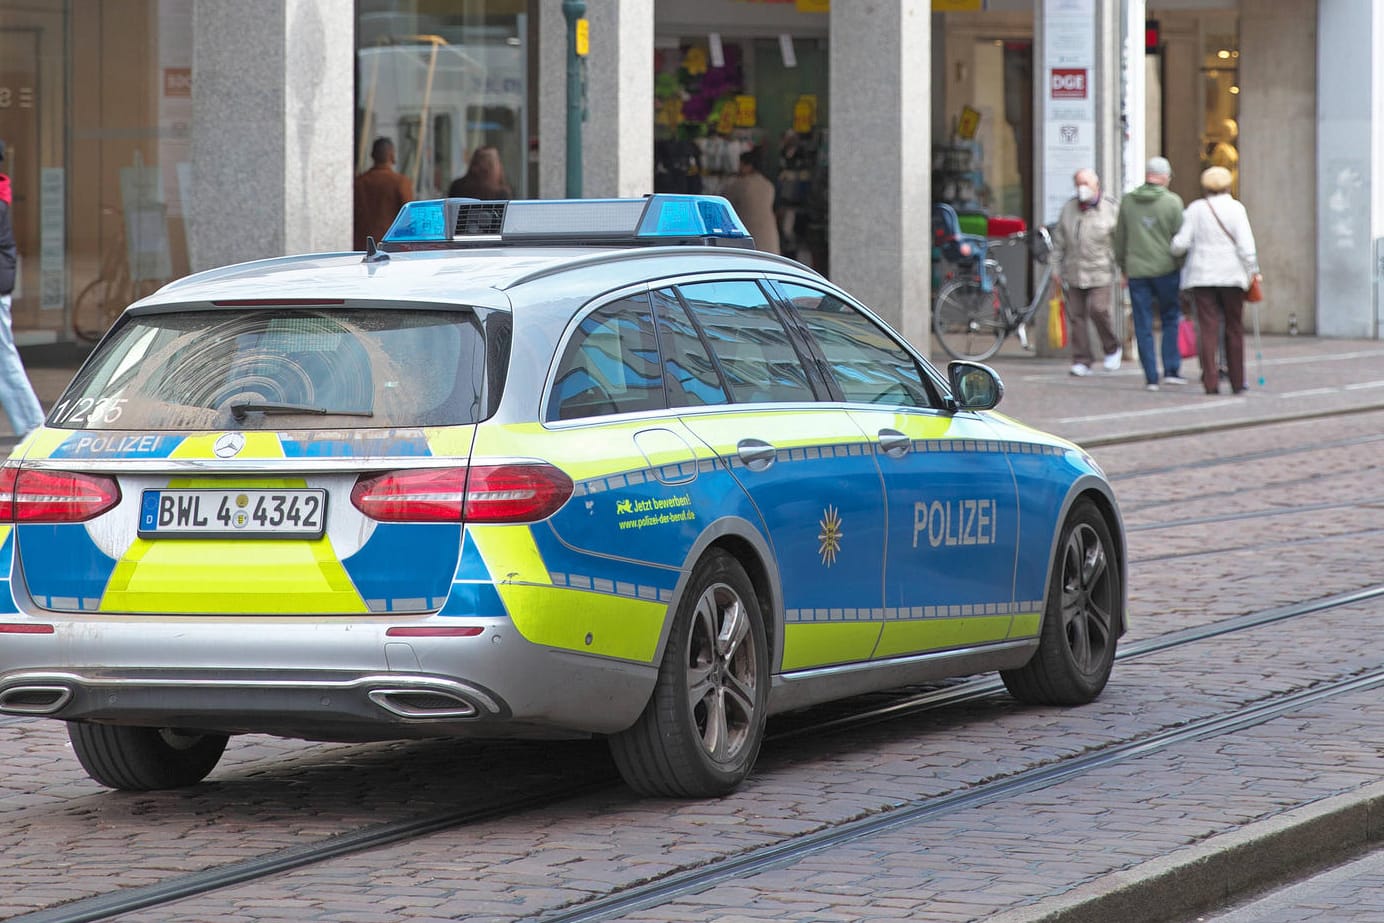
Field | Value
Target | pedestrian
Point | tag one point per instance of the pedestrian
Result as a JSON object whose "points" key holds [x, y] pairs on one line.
{"points": [[751, 193], [16, 393], [1149, 217], [1083, 258], [1221, 263], [484, 179], [381, 192]]}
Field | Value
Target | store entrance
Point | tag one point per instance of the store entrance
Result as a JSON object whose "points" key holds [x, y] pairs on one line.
{"points": [[984, 168], [767, 97]]}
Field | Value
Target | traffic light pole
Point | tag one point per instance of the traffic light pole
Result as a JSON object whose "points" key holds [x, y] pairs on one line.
{"points": [[575, 11]]}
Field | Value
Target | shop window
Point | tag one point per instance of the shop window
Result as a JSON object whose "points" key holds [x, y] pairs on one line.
{"points": [[441, 83], [1220, 85]]}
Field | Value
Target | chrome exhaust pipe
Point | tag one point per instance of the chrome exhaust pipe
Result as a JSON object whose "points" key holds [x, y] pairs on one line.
{"points": [[34, 700], [423, 703]]}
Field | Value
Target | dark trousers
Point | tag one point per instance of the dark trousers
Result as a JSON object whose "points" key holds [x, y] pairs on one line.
{"points": [[1092, 303], [1214, 305]]}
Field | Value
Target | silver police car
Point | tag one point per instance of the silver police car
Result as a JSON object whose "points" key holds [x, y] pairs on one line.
{"points": [[532, 469]]}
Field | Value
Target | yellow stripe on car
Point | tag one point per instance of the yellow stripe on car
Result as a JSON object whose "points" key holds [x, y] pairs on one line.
{"points": [[209, 576], [577, 620], [257, 445]]}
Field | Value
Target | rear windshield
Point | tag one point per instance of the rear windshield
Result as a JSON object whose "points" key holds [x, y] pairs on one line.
{"points": [[289, 368]]}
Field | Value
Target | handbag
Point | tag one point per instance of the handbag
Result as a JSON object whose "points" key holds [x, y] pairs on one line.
{"points": [[1057, 323], [1186, 338], [1255, 292]]}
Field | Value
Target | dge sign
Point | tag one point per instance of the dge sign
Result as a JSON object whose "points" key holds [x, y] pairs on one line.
{"points": [[1068, 82]]}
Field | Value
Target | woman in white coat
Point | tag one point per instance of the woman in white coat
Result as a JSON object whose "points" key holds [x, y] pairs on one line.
{"points": [[1221, 262]]}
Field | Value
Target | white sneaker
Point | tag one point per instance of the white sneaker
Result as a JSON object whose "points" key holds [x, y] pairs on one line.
{"points": [[1112, 361], [1150, 387], [1174, 380], [1081, 369]]}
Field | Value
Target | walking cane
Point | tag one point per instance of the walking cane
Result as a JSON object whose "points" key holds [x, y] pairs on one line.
{"points": [[1258, 347]]}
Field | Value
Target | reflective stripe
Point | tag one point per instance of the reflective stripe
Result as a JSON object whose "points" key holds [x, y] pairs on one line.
{"points": [[1026, 626], [209, 576], [937, 634], [613, 626], [822, 643], [510, 554], [257, 445]]}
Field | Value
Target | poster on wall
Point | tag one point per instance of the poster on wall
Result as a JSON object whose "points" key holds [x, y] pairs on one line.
{"points": [[1069, 103]]}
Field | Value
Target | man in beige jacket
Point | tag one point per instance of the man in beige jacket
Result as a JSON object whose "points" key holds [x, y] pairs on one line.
{"points": [[1083, 257], [751, 194]]}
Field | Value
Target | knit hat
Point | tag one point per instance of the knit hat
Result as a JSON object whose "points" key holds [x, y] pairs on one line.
{"points": [[1215, 179], [1159, 166]]}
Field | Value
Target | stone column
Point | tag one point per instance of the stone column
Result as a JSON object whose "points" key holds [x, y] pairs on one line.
{"points": [[618, 135], [1278, 154], [880, 194], [1350, 171], [272, 109]]}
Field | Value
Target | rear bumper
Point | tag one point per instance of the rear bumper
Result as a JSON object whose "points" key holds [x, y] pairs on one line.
{"points": [[321, 679]]}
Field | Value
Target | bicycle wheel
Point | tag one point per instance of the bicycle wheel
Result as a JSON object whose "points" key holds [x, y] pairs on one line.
{"points": [[89, 314], [969, 323]]}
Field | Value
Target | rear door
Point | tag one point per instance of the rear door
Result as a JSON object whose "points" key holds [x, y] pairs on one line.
{"points": [[808, 468], [237, 450]]}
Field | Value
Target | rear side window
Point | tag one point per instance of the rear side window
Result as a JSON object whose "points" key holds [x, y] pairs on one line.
{"points": [[692, 377], [868, 365], [287, 368], [750, 342], [611, 364]]}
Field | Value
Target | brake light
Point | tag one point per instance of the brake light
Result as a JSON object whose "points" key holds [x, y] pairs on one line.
{"points": [[36, 496], [418, 495], [485, 493], [515, 493]]}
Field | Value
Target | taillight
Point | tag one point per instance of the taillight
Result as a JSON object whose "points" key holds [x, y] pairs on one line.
{"points": [[34, 496], [515, 493], [485, 493], [416, 495]]}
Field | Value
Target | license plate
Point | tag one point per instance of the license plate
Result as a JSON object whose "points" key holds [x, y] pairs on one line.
{"points": [[220, 513]]}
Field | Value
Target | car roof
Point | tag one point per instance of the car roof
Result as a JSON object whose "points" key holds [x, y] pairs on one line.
{"points": [[465, 275]]}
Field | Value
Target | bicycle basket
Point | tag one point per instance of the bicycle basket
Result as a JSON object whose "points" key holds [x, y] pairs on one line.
{"points": [[1040, 244]]}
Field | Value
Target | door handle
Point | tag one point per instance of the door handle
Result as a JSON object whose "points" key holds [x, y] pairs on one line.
{"points": [[894, 443], [756, 453]]}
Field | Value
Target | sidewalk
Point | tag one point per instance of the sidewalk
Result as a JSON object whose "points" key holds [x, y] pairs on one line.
{"points": [[1297, 377]]}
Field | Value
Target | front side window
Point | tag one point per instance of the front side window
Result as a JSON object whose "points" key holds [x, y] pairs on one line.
{"points": [[867, 364], [284, 368], [750, 342], [611, 364]]}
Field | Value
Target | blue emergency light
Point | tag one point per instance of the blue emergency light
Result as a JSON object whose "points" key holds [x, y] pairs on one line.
{"points": [[651, 220]]}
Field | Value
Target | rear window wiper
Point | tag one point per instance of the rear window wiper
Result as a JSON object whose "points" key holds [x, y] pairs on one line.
{"points": [[240, 410]]}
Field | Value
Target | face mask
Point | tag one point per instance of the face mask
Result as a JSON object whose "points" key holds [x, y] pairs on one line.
{"points": [[1085, 193]]}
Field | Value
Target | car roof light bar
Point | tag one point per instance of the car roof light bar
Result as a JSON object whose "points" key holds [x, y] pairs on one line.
{"points": [[651, 220]]}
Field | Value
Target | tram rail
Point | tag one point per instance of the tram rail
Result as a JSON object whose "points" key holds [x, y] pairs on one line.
{"points": [[110, 905]]}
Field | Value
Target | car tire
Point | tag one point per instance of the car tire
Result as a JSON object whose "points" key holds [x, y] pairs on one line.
{"points": [[1081, 622], [141, 759], [700, 733]]}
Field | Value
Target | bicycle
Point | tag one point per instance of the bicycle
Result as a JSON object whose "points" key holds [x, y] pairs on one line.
{"points": [[973, 314], [100, 302]]}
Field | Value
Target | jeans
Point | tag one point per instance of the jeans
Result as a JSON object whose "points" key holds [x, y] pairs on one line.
{"points": [[16, 394], [1142, 294]]}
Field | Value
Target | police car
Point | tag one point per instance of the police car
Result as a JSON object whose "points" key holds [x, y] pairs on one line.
{"points": [[532, 469]]}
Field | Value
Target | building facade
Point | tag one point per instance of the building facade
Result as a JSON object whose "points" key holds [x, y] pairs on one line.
{"points": [[149, 138]]}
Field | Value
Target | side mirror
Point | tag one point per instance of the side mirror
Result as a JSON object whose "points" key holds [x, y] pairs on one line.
{"points": [[974, 386]]}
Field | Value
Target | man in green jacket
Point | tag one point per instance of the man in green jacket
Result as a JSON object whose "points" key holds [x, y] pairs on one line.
{"points": [[1149, 217]]}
